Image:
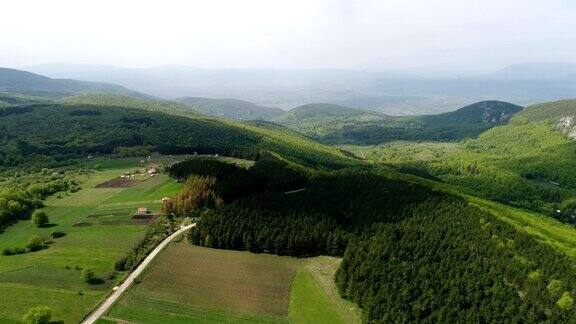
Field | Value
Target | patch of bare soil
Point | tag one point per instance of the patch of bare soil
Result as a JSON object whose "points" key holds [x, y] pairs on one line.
{"points": [[118, 183]]}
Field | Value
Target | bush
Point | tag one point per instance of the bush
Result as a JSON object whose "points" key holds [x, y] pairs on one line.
{"points": [[88, 276], [13, 251], [120, 263], [566, 302], [58, 234], [38, 315], [40, 218], [35, 243]]}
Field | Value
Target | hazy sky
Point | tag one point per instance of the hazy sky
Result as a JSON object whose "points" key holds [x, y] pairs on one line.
{"points": [[452, 35]]}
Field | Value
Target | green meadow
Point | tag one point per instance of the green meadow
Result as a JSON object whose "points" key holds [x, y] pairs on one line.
{"points": [[99, 227]]}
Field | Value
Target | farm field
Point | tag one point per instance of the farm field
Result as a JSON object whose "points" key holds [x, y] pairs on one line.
{"points": [[201, 285], [99, 227]]}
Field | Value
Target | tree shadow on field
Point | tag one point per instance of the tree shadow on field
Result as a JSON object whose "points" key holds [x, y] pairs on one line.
{"points": [[49, 225]]}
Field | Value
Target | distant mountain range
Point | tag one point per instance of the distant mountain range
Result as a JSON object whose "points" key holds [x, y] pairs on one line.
{"points": [[389, 93]]}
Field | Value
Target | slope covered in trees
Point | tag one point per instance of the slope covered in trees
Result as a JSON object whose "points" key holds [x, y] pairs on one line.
{"points": [[528, 163], [53, 132], [410, 253], [340, 125], [113, 100], [231, 108]]}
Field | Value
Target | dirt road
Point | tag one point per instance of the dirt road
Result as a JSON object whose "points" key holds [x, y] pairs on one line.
{"points": [[105, 306]]}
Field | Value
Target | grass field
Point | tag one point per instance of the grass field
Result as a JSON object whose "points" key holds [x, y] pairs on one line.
{"points": [[314, 298], [201, 285], [51, 276]]}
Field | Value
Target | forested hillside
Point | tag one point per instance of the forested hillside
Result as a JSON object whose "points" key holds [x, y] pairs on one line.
{"points": [[441, 259], [231, 108], [111, 100], [54, 133], [528, 163], [341, 125]]}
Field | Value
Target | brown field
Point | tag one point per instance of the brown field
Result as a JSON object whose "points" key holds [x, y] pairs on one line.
{"points": [[118, 183], [229, 281]]}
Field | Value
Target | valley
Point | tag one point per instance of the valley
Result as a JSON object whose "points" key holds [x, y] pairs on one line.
{"points": [[318, 214]]}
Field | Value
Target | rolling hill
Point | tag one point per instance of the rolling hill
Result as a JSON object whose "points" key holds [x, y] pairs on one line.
{"points": [[23, 82], [231, 108], [96, 124], [325, 110], [561, 114], [340, 125], [113, 100], [528, 162]]}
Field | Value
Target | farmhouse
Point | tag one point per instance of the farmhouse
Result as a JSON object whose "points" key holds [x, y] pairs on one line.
{"points": [[152, 171], [142, 211]]}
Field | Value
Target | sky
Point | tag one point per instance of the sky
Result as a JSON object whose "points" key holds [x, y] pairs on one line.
{"points": [[395, 35]]}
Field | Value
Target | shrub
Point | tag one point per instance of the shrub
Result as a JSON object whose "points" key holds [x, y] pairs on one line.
{"points": [[566, 302], [35, 243], [120, 263], [40, 218], [38, 315], [110, 275], [88, 276], [58, 234], [13, 251]]}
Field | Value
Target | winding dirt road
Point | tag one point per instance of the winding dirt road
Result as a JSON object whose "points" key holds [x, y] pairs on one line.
{"points": [[104, 306]]}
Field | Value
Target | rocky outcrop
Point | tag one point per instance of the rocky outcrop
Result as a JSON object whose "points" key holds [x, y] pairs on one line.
{"points": [[567, 125]]}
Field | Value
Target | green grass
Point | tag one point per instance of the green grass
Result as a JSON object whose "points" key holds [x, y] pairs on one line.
{"points": [[314, 298], [49, 277]]}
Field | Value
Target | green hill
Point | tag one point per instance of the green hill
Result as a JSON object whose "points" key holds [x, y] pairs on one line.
{"points": [[106, 99], [8, 99], [326, 110], [341, 125], [231, 108], [561, 114], [52, 132], [528, 162], [23, 82]]}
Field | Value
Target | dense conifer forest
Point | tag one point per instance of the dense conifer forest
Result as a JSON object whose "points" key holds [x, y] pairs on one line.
{"points": [[410, 253]]}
